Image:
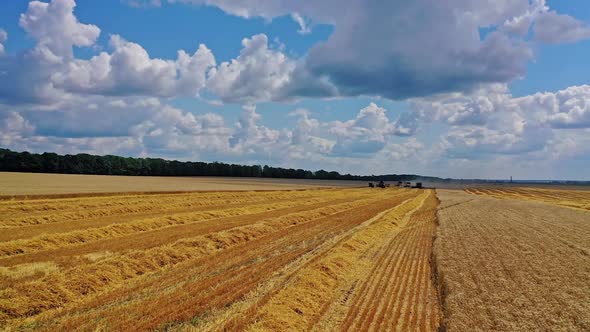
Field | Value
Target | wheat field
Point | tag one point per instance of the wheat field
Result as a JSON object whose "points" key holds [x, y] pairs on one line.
{"points": [[509, 261], [318, 259], [38, 184], [323, 259], [577, 199]]}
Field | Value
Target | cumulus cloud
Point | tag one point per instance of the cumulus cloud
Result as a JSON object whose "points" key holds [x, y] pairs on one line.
{"points": [[491, 121], [259, 73], [144, 126], [55, 27], [569, 144], [458, 108], [26, 77], [376, 50], [13, 127], [172, 132], [568, 108], [474, 142], [521, 24], [518, 128], [368, 132], [109, 103], [20, 133], [553, 28], [48, 72], [3, 38], [129, 70], [547, 26], [249, 137]]}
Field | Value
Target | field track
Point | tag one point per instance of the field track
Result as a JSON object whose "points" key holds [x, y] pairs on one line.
{"points": [[348, 259], [514, 264]]}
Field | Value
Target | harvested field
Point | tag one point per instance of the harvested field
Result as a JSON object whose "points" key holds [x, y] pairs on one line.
{"points": [[22, 184], [322, 259], [578, 199], [514, 264]]}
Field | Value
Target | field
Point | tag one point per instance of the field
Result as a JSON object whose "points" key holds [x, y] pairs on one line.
{"points": [[314, 259], [22, 184], [579, 199], [319, 259], [515, 263]]}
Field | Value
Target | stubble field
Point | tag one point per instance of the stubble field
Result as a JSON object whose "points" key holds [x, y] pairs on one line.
{"points": [[349, 259], [514, 259], [323, 259]]}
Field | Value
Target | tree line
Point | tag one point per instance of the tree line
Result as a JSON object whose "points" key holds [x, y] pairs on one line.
{"points": [[12, 161]]}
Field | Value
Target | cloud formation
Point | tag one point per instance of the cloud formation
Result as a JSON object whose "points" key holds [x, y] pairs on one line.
{"points": [[378, 48], [120, 100], [374, 50], [490, 121], [129, 70], [552, 28], [259, 73], [3, 38]]}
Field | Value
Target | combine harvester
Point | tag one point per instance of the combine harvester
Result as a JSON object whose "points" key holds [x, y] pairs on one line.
{"points": [[400, 184], [381, 184]]}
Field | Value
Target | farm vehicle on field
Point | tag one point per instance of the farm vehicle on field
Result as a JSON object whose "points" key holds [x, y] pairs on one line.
{"points": [[381, 184]]}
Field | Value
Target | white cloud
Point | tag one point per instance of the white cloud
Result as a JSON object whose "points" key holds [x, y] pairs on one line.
{"points": [[548, 26], [13, 127], [304, 27], [129, 70], [518, 130], [521, 24], [491, 121], [553, 28], [306, 136], [50, 100], [173, 132], [568, 108], [259, 73], [49, 73], [368, 53], [376, 50], [474, 142], [369, 132], [3, 38], [249, 137], [55, 27], [458, 108], [568, 144]]}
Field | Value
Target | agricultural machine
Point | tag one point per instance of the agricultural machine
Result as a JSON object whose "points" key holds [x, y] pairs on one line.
{"points": [[381, 184]]}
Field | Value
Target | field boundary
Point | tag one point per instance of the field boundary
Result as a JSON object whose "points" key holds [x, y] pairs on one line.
{"points": [[149, 193]]}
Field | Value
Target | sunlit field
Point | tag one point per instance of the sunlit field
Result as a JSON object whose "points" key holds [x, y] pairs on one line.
{"points": [[35, 184], [514, 259], [323, 259]]}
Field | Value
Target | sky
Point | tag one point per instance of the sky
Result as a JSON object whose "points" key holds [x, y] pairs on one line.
{"points": [[460, 88]]}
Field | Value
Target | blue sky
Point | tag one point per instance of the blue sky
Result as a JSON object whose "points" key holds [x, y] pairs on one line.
{"points": [[360, 87]]}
